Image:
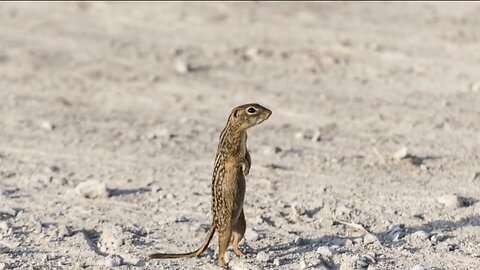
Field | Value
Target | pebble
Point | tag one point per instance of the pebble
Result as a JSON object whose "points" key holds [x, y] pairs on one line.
{"points": [[445, 247], [4, 249], [418, 267], [401, 153], [251, 235], [452, 201], [298, 209], [47, 125], [325, 251], [358, 240], [263, 256], [302, 264], [3, 266], [92, 189], [418, 237], [299, 135], [277, 262], [5, 226], [299, 241], [396, 232], [159, 133], [476, 176], [112, 238], [113, 261], [369, 239], [252, 53], [348, 243], [64, 231], [317, 136], [181, 66], [52, 169], [475, 87], [241, 265], [437, 238]]}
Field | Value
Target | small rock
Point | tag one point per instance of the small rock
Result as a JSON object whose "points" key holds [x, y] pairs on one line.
{"points": [[92, 189], [277, 262], [113, 261], [8, 211], [475, 87], [401, 153], [452, 201], [159, 133], [4, 249], [181, 66], [241, 265], [47, 125], [396, 232], [52, 169], [299, 241], [298, 209], [325, 251], [418, 267], [418, 237], [3, 266], [112, 238], [445, 247], [252, 53], [302, 264], [317, 136], [369, 239], [437, 238], [299, 135], [5, 226], [365, 261], [476, 176], [263, 256], [251, 235], [348, 243], [358, 240], [64, 231]]}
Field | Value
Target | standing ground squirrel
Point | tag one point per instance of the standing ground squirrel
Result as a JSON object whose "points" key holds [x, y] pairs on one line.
{"points": [[232, 164]]}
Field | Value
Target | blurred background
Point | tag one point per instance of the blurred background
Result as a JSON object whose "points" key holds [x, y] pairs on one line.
{"points": [[111, 112]]}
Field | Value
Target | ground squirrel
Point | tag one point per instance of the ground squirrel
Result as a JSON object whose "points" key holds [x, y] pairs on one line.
{"points": [[232, 164]]}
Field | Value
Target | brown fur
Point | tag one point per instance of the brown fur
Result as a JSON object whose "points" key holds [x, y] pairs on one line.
{"points": [[232, 164]]}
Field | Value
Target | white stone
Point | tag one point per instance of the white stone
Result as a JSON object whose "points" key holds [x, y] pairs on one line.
{"points": [[401, 153], [369, 239], [251, 235], [451, 201], [263, 256], [324, 251], [420, 235], [298, 209], [113, 261], [92, 189], [418, 267], [5, 226], [47, 125], [181, 66]]}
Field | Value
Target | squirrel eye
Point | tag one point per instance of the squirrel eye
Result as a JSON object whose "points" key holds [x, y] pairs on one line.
{"points": [[251, 110]]}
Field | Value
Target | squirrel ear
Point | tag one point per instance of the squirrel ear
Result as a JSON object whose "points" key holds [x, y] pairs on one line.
{"points": [[235, 113]]}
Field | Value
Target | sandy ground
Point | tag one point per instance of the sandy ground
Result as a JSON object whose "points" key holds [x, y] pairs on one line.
{"points": [[111, 112]]}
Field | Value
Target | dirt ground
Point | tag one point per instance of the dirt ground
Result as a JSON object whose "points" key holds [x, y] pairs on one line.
{"points": [[111, 112]]}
